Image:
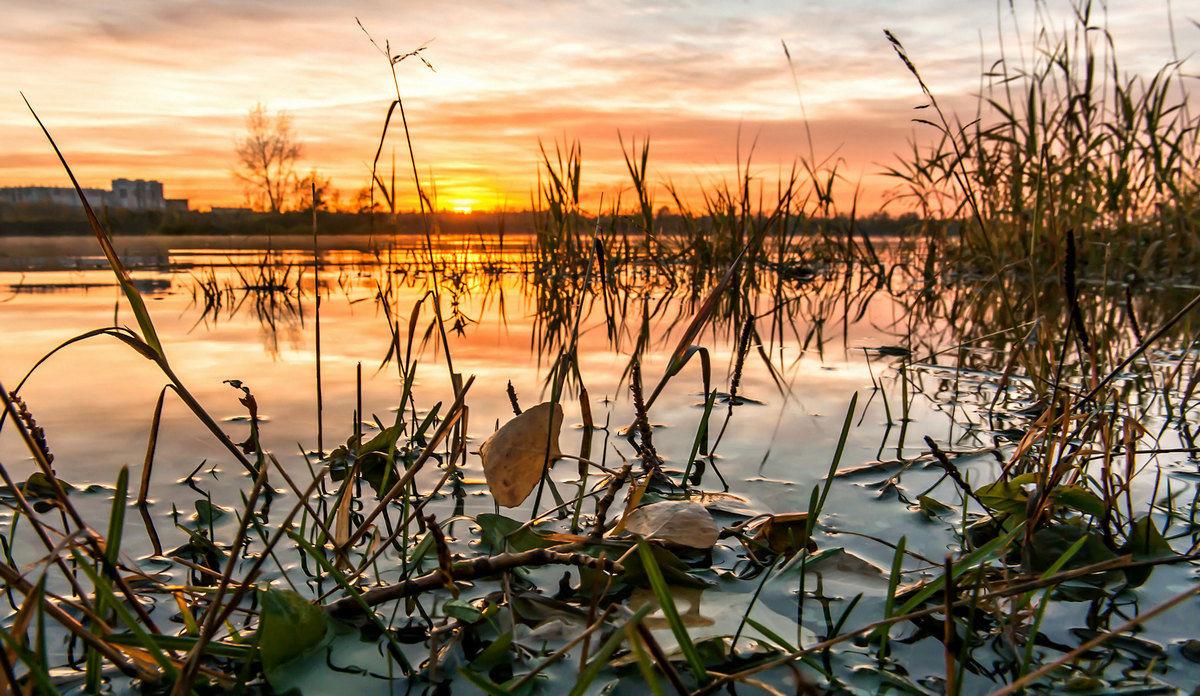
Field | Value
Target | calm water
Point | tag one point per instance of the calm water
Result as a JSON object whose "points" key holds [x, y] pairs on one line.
{"points": [[251, 316], [95, 399]]}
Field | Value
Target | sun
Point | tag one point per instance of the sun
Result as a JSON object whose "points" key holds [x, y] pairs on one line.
{"points": [[463, 205]]}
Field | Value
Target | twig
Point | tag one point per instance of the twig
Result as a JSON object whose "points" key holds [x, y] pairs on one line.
{"points": [[606, 502], [468, 570], [1098, 640]]}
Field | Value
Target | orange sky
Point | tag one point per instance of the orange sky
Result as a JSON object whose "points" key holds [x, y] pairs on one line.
{"points": [[159, 89]]}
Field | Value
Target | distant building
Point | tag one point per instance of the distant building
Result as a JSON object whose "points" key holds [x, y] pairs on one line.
{"points": [[54, 195], [137, 194]]}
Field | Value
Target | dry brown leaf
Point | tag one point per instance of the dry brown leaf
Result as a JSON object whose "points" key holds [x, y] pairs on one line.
{"points": [[682, 522], [515, 456], [786, 533]]}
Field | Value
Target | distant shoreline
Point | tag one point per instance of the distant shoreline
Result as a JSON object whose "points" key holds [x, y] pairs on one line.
{"points": [[142, 245]]}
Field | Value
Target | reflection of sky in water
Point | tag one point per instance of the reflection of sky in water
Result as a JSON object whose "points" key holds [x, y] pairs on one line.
{"points": [[95, 399], [219, 321]]}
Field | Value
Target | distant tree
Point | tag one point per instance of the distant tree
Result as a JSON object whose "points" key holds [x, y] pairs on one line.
{"points": [[363, 202], [266, 158], [326, 198]]}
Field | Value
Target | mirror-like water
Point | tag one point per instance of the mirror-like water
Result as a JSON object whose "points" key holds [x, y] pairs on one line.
{"points": [[921, 360]]}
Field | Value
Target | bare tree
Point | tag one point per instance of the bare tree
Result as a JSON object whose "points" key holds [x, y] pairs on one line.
{"points": [[266, 158], [316, 190]]}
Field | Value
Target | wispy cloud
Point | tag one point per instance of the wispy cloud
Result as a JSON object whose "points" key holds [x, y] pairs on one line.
{"points": [[159, 89]]}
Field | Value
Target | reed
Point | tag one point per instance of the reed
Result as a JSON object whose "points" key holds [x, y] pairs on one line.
{"points": [[1072, 180]]}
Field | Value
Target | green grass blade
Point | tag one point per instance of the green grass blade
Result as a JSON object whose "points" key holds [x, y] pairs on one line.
{"points": [[149, 335], [185, 643], [600, 661], [979, 555], [104, 590], [889, 603], [645, 665], [663, 594], [116, 520], [778, 640], [837, 459], [701, 435], [37, 670]]}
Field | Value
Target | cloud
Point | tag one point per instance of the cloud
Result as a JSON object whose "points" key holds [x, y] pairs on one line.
{"points": [[149, 88]]}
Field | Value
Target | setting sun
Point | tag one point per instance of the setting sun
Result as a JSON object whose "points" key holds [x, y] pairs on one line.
{"points": [[463, 205], [481, 107]]}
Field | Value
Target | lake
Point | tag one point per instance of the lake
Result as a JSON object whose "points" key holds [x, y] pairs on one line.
{"points": [[238, 317]]}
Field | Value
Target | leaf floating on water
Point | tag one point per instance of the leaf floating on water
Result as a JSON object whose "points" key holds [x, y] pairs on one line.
{"points": [[932, 507], [291, 626], [786, 534], [1145, 542], [515, 456], [891, 351], [680, 522]]}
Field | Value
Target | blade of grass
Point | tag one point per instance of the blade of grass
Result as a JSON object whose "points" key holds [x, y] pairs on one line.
{"points": [[600, 661], [131, 622], [663, 594]]}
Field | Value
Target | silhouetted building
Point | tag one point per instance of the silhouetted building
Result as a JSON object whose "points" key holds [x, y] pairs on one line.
{"points": [[136, 194]]}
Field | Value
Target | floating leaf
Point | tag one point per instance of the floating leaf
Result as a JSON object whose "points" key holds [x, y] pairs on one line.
{"points": [[1145, 543], [785, 534], [681, 522], [290, 627], [515, 456], [207, 513], [1007, 496], [932, 507], [462, 610], [1078, 498], [506, 534], [676, 572], [1051, 542]]}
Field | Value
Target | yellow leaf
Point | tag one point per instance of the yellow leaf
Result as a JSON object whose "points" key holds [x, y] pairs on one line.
{"points": [[516, 455]]}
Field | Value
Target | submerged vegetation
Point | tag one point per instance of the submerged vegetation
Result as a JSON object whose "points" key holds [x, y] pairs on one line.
{"points": [[1041, 305]]}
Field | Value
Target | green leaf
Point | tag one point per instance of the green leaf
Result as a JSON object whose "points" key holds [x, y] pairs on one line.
{"points": [[495, 653], [932, 507], [675, 571], [506, 534], [207, 513], [1051, 542], [1007, 496], [290, 627], [663, 594], [461, 610], [1078, 498], [1145, 542]]}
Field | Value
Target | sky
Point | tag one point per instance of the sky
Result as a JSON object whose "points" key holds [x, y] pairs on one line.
{"points": [[160, 89]]}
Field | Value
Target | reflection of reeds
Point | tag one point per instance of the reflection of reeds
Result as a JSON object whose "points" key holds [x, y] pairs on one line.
{"points": [[1070, 430], [264, 288]]}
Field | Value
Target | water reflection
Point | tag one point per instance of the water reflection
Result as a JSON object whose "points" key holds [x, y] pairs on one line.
{"points": [[988, 369]]}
